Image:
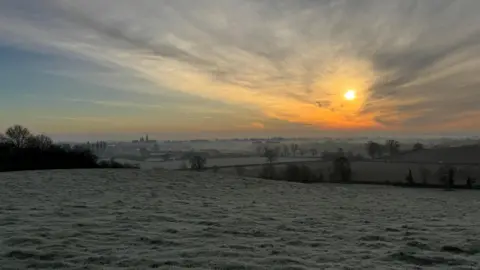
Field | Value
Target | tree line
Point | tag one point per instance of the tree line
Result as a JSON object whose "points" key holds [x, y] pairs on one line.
{"points": [[390, 147], [21, 150]]}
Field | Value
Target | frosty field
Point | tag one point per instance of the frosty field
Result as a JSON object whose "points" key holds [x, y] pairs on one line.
{"points": [[140, 219]]}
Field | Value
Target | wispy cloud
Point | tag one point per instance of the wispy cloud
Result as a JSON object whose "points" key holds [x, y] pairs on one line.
{"points": [[81, 119], [114, 103], [414, 64]]}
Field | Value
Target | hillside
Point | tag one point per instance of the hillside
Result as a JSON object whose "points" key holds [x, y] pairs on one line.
{"points": [[460, 154], [139, 219]]}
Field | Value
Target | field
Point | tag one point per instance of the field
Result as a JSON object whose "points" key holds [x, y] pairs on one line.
{"points": [[173, 165], [139, 219], [393, 172]]}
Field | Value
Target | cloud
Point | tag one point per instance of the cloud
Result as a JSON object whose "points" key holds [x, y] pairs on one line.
{"points": [[114, 103], [258, 125], [414, 64]]}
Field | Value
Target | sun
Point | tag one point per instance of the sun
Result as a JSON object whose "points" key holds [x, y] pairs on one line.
{"points": [[350, 95]]}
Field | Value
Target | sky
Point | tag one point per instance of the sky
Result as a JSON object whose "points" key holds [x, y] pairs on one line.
{"points": [[235, 68]]}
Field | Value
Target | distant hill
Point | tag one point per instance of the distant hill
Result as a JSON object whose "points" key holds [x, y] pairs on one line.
{"points": [[460, 154]]}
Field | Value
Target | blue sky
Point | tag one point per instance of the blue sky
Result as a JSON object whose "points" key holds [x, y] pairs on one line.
{"points": [[120, 68]]}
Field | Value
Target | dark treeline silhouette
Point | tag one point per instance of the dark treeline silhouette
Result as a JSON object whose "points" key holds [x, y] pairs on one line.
{"points": [[21, 150], [390, 147]]}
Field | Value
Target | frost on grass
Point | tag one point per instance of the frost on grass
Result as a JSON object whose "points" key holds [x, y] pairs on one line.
{"points": [[130, 219]]}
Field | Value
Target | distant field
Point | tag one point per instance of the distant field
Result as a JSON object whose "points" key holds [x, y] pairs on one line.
{"points": [[173, 165], [373, 171]]}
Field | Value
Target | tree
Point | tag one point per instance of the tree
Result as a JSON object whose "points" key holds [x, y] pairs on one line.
{"points": [[342, 169], [393, 147], [3, 139], [314, 152], [418, 146], [40, 141], [409, 177], [373, 149], [198, 163], [270, 154], [294, 148], [18, 136]]}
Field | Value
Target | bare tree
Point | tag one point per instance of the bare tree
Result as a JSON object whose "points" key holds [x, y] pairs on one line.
{"points": [[18, 136], [40, 141], [393, 147], [270, 154]]}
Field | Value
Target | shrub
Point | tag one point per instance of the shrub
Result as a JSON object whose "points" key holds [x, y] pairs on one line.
{"points": [[198, 163], [302, 174], [341, 170]]}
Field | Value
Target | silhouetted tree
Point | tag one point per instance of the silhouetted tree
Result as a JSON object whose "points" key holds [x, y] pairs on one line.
{"points": [[451, 178], [373, 149], [393, 147], [469, 183], [18, 136], [197, 163], [341, 169], [418, 146], [314, 152], [40, 141], [302, 174], [409, 177], [270, 154], [22, 150], [286, 150]]}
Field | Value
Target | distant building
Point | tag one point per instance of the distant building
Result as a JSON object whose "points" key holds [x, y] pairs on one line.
{"points": [[144, 139]]}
